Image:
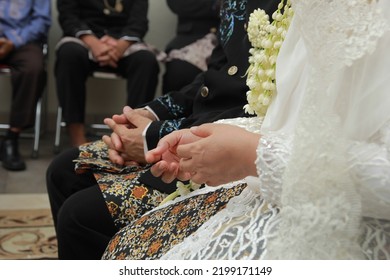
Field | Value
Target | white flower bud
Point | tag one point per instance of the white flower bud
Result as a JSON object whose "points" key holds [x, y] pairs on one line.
{"points": [[261, 58], [278, 17], [266, 101], [260, 98], [268, 85], [270, 73], [277, 44], [280, 30], [266, 44], [251, 83], [272, 59], [260, 73]]}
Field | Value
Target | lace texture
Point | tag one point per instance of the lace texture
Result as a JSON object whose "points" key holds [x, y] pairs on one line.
{"points": [[273, 154], [320, 202], [343, 32], [243, 229], [370, 166], [308, 204]]}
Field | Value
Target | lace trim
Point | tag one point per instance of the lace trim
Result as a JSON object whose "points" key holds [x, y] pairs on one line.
{"points": [[273, 155]]}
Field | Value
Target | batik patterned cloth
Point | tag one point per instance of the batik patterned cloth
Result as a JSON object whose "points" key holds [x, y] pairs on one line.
{"points": [[126, 197], [155, 233]]}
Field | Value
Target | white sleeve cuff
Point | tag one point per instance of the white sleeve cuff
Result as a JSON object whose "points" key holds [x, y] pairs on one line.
{"points": [[146, 149], [151, 111]]}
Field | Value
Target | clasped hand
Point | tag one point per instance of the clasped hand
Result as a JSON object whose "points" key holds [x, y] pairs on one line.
{"points": [[213, 154], [125, 145], [108, 50]]}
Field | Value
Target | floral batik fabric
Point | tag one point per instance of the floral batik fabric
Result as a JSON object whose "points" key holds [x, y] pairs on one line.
{"points": [[126, 197], [156, 232]]}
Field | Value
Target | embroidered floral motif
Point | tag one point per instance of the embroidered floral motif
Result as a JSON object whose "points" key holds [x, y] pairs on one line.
{"points": [[174, 109], [169, 126], [231, 12]]}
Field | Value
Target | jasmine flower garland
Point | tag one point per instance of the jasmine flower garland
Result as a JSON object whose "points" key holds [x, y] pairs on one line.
{"points": [[266, 39]]}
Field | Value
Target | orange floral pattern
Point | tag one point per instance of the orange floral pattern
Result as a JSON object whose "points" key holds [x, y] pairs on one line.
{"points": [[156, 232], [127, 199]]}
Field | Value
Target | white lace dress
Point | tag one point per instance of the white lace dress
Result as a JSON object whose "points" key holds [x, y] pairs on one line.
{"points": [[323, 190], [243, 228]]}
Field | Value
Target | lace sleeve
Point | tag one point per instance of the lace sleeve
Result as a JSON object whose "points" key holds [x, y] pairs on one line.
{"points": [[273, 154], [370, 168], [369, 162]]}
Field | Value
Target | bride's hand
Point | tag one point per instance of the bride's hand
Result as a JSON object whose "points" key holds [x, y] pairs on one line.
{"points": [[225, 153], [165, 157]]}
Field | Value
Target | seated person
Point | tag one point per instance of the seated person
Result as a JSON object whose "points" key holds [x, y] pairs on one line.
{"points": [[98, 34], [112, 184], [23, 31], [314, 171], [188, 52]]}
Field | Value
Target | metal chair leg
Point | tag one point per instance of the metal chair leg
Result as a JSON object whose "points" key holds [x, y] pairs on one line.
{"points": [[37, 129], [58, 131]]}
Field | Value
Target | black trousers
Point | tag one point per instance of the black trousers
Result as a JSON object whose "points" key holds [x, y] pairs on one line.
{"points": [[73, 67], [28, 79], [82, 221]]}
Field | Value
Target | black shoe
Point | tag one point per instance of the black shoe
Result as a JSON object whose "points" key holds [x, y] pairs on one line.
{"points": [[9, 155]]}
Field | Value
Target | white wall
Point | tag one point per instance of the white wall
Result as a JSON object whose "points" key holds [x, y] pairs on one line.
{"points": [[104, 96]]}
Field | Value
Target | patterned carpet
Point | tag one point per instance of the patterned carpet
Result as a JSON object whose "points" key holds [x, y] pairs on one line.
{"points": [[27, 234]]}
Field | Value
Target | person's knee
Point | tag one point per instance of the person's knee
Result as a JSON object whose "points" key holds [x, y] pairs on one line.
{"points": [[60, 169], [53, 171], [145, 59], [71, 52], [56, 166], [70, 217], [35, 68]]}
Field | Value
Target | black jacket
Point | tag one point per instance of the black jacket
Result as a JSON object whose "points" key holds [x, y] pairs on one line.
{"points": [[89, 15], [195, 18], [219, 92]]}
